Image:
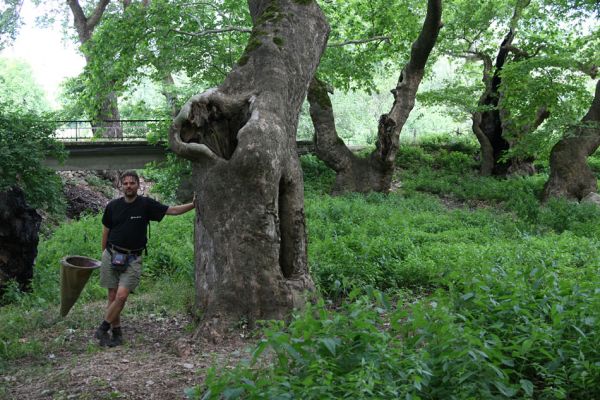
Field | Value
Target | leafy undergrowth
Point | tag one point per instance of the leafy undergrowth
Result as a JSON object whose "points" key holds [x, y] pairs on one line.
{"points": [[510, 334], [512, 296]]}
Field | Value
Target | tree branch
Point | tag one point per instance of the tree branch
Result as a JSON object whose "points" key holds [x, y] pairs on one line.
{"points": [[470, 55], [97, 14], [518, 13], [79, 18], [83, 25], [190, 151], [516, 51], [590, 70], [360, 41], [540, 116], [488, 66], [248, 30], [214, 31], [422, 47], [328, 145]]}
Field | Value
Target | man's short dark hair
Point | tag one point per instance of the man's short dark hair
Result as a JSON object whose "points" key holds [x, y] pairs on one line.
{"points": [[133, 174]]}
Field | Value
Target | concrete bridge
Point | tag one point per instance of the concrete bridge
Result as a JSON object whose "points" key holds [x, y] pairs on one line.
{"points": [[107, 155], [130, 150], [121, 154]]}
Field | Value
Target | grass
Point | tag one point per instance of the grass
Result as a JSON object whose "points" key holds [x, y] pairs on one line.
{"points": [[455, 286]]}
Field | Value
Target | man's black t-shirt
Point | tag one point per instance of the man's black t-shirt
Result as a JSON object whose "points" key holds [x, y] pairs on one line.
{"points": [[128, 221]]}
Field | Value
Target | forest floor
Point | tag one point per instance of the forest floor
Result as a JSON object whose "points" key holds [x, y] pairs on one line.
{"points": [[158, 360]]}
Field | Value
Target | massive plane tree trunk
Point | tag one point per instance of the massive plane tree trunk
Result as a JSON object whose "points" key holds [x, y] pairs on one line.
{"points": [[105, 122], [570, 174], [251, 245], [375, 172]]}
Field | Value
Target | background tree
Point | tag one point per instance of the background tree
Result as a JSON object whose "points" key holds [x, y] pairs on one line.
{"points": [[530, 89], [374, 173], [146, 42], [18, 88], [251, 260], [103, 102]]}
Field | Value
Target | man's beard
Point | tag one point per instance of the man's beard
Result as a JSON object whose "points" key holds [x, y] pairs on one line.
{"points": [[131, 194]]}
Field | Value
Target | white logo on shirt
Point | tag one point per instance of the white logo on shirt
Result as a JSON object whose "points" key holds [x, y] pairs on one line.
{"points": [[136, 217]]}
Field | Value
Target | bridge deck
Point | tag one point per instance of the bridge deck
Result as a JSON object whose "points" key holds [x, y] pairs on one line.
{"points": [[120, 155]]}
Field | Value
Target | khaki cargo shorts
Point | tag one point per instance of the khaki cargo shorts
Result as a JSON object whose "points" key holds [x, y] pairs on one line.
{"points": [[111, 279]]}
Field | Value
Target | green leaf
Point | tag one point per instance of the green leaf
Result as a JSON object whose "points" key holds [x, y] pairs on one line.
{"points": [[507, 391], [527, 386], [232, 393], [330, 344], [467, 296]]}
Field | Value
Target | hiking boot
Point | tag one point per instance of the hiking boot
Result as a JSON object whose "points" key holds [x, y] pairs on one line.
{"points": [[102, 336], [116, 340]]}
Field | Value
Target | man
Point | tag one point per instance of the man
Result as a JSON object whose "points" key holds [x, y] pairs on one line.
{"points": [[125, 223]]}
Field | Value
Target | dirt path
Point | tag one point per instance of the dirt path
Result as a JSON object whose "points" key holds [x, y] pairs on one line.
{"points": [[158, 361]]}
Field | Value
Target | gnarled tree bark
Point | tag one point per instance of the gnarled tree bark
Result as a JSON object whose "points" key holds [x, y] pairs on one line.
{"points": [[19, 228], [570, 174], [251, 246], [374, 173]]}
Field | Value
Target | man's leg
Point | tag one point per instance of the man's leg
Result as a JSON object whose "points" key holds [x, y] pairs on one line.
{"points": [[113, 312], [127, 282], [113, 315], [112, 294], [110, 280], [102, 331]]}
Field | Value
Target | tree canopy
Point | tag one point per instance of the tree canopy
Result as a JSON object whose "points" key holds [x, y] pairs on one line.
{"points": [[10, 21]]}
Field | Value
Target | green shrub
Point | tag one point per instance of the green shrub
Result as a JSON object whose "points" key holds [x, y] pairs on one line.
{"points": [[413, 157], [455, 162], [562, 215], [168, 175], [318, 178], [321, 355], [25, 142], [465, 144]]}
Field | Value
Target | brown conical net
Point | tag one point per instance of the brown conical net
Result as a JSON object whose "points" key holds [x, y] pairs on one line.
{"points": [[74, 273]]}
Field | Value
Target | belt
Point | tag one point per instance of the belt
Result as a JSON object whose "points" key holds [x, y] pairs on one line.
{"points": [[119, 249]]}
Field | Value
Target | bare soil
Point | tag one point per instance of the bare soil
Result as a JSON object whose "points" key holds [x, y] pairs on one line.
{"points": [[158, 360]]}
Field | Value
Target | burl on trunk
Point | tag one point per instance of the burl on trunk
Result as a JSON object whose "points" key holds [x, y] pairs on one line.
{"points": [[251, 255]]}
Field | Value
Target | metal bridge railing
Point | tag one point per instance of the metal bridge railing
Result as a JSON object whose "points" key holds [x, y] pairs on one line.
{"points": [[106, 130]]}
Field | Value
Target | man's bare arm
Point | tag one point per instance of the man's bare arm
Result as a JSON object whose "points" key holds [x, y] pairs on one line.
{"points": [[176, 210], [105, 231]]}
